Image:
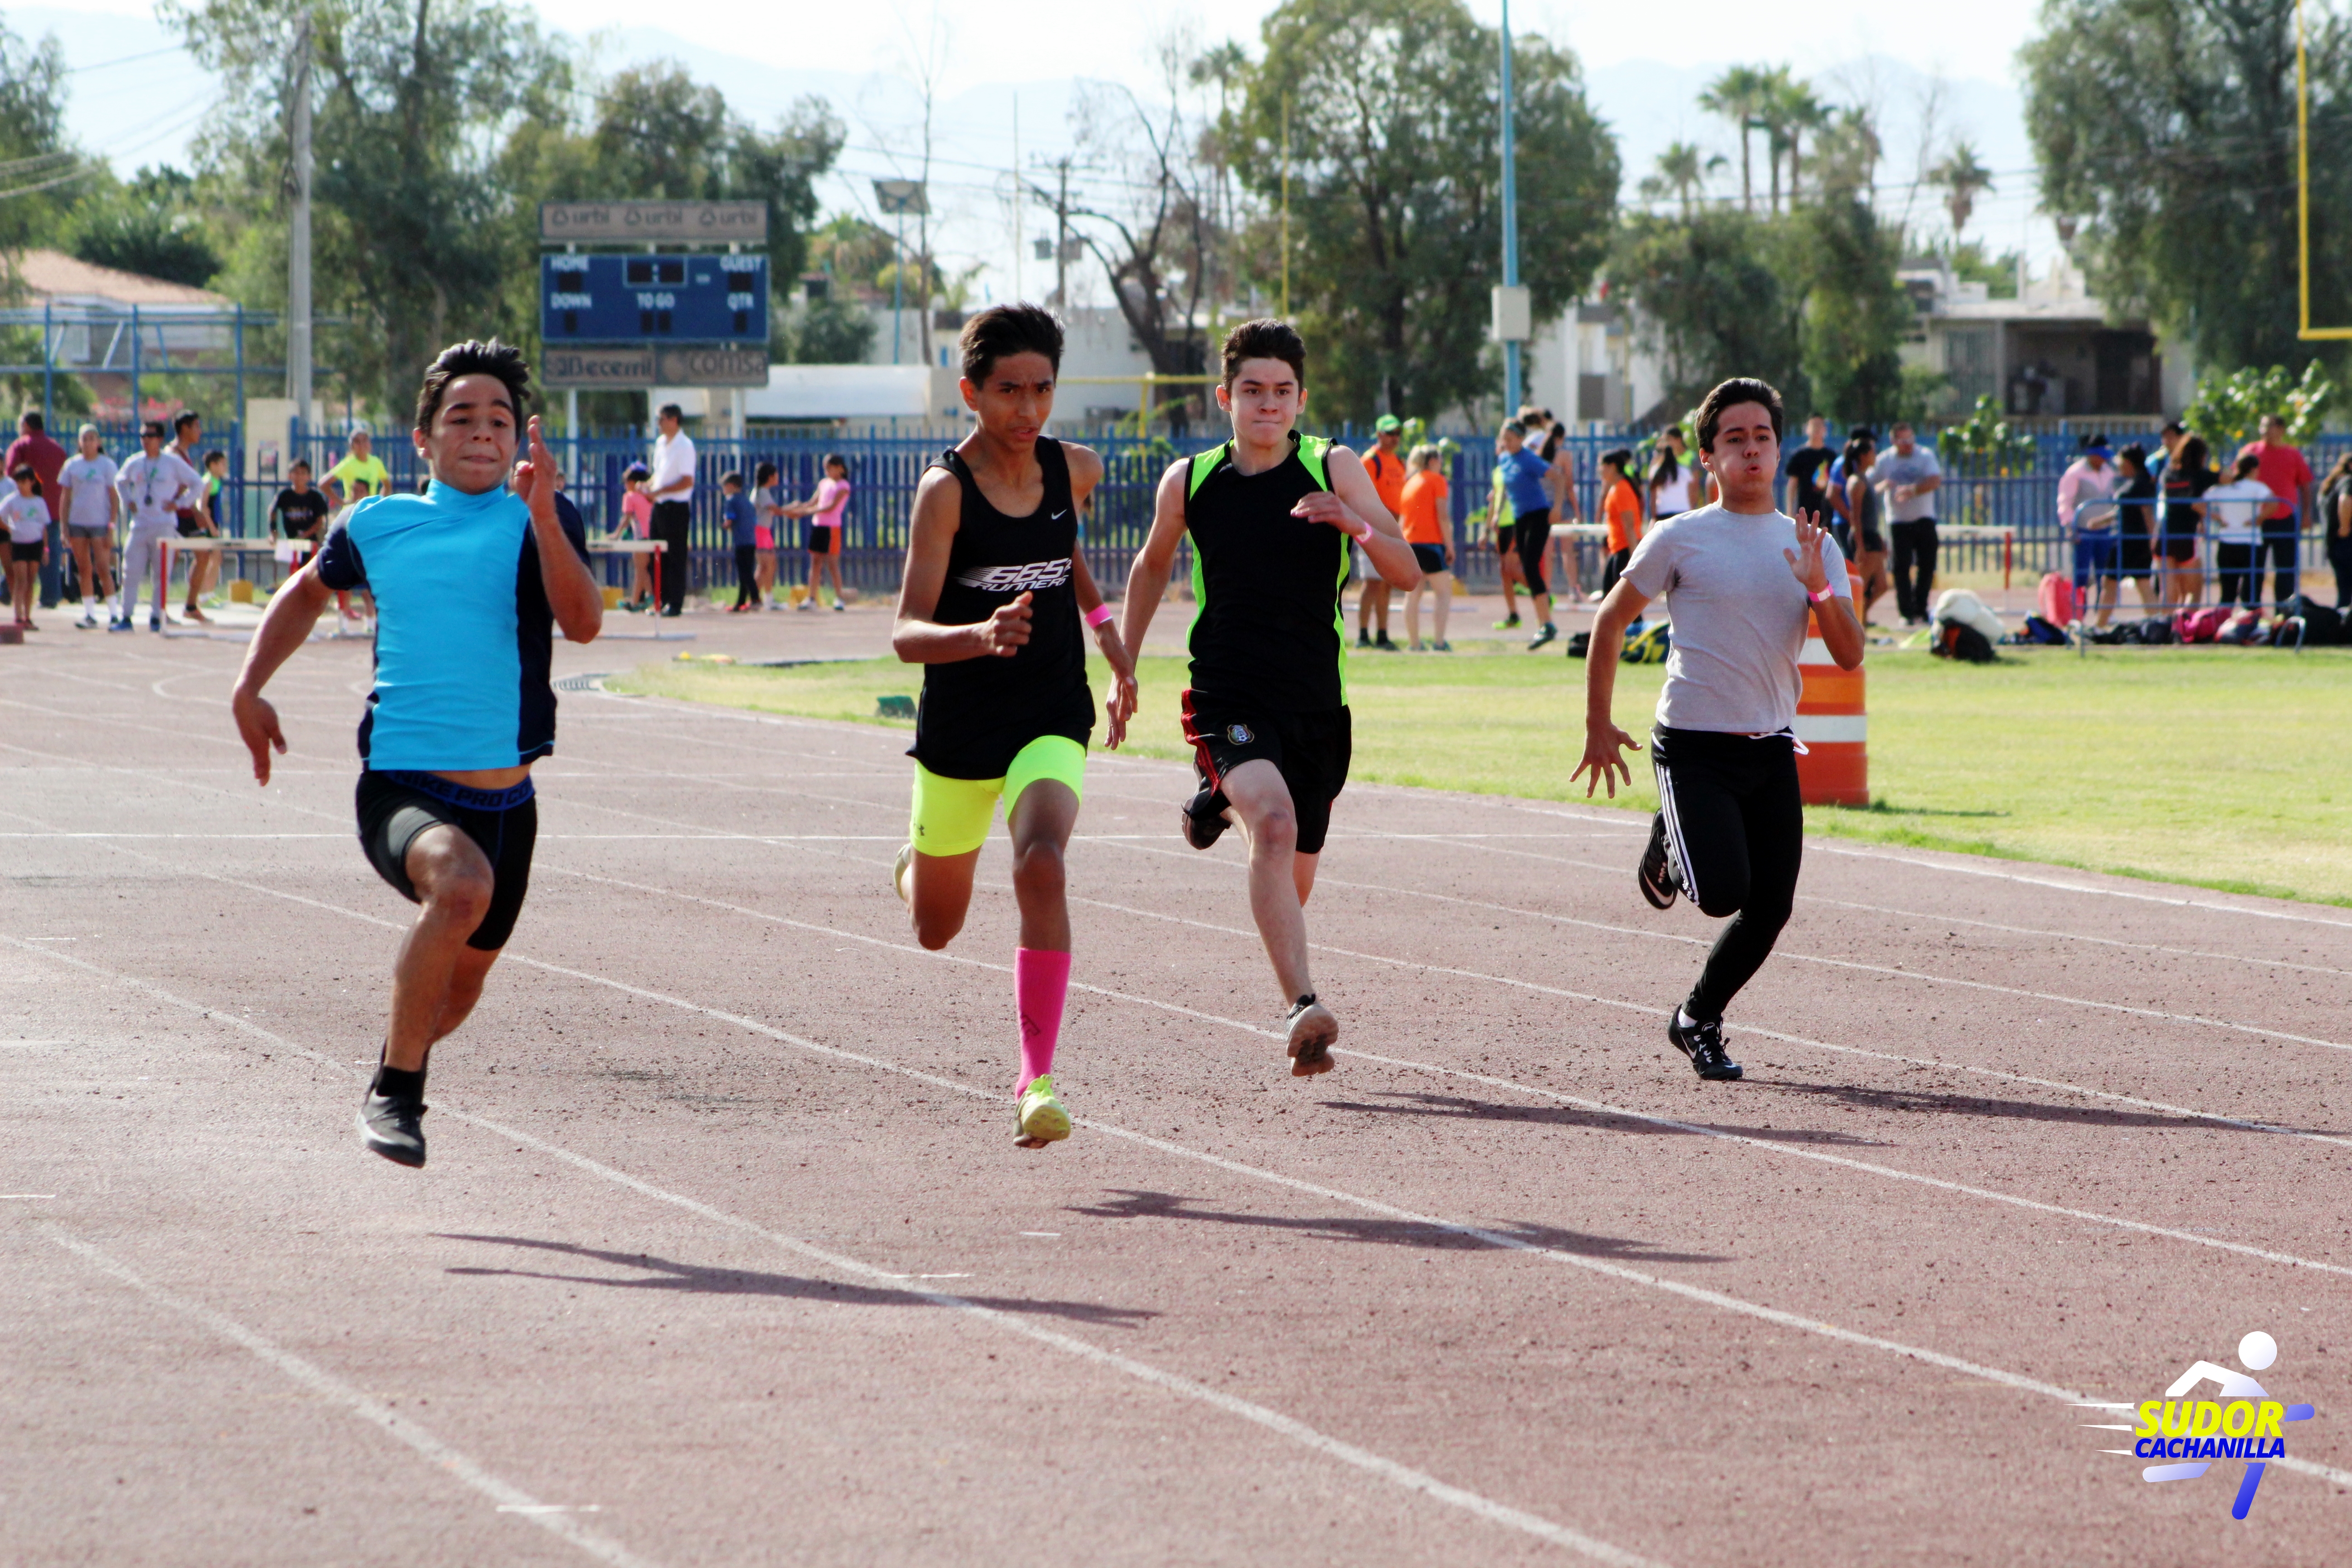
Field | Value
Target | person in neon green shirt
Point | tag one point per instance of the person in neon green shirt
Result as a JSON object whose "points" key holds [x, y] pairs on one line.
{"points": [[359, 463]]}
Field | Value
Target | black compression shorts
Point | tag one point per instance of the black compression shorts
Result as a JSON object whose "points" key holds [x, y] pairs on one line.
{"points": [[1311, 750], [1534, 537], [394, 807]]}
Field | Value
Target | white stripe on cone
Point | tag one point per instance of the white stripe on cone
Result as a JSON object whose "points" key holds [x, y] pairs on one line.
{"points": [[1830, 729]]}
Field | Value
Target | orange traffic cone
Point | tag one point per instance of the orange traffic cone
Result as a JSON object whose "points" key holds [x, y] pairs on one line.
{"points": [[1831, 724]]}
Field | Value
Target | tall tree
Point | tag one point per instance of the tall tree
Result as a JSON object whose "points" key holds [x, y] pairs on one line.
{"points": [[1681, 170], [1712, 297], [1961, 176], [152, 225], [1737, 95], [2169, 128], [1395, 185], [42, 170]]}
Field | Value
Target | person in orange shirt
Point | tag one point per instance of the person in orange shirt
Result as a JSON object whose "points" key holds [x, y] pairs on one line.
{"points": [[1421, 509], [1621, 510], [1387, 466]]}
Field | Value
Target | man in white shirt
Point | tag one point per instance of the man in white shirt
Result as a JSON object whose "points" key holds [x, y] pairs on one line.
{"points": [[89, 508], [672, 488], [153, 486]]}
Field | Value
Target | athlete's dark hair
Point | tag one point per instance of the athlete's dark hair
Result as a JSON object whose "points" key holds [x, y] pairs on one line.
{"points": [[765, 472], [1619, 459], [733, 477], [1739, 389], [1855, 448], [1668, 468], [2173, 428], [670, 411], [474, 357], [215, 456], [1002, 331], [24, 471], [2193, 456], [2246, 467], [153, 428], [32, 422], [1513, 427], [832, 459], [301, 463], [2135, 455], [183, 418], [1264, 339]]}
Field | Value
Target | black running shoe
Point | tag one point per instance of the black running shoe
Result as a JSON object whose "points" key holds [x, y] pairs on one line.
{"points": [[391, 1125], [1703, 1044], [1205, 819], [1656, 874]]}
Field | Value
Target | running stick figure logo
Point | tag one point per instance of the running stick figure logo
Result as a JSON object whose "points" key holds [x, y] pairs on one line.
{"points": [[2190, 1434]]}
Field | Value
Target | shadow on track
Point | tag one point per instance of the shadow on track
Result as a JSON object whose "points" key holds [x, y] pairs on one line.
{"points": [[1939, 1104], [693, 1279], [1466, 1109], [1134, 1204]]}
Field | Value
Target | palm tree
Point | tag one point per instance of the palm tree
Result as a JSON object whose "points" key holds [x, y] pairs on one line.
{"points": [[1737, 94], [1682, 168], [1799, 114], [1960, 176]]}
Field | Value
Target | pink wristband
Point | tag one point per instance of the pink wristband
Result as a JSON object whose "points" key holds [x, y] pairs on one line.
{"points": [[1099, 614], [1826, 593]]}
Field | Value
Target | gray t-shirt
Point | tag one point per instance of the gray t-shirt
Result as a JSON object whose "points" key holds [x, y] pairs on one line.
{"points": [[1894, 468], [1739, 614]]}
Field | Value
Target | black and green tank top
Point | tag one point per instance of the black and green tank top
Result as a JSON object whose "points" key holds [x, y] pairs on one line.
{"points": [[977, 713], [1266, 622]]}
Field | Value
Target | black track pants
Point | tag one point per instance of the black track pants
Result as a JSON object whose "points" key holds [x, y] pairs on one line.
{"points": [[1735, 826]]}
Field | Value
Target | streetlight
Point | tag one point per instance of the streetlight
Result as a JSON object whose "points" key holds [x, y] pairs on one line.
{"points": [[898, 198]]}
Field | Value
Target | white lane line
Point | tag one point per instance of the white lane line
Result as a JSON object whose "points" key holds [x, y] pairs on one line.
{"points": [[2086, 937], [1891, 971], [1376, 1464], [1697, 1293], [328, 1386], [2173, 899]]}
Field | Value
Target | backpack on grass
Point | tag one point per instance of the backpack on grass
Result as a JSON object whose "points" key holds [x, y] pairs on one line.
{"points": [[1957, 639], [2040, 632], [2202, 625], [2056, 600], [2321, 623]]}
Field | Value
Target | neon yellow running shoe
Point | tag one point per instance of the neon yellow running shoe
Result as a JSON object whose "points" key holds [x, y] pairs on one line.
{"points": [[1043, 1120]]}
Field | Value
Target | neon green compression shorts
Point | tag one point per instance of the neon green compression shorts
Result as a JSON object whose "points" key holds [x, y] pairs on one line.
{"points": [[952, 816]]}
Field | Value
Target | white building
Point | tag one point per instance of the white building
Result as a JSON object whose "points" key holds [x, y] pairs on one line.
{"points": [[2053, 351]]}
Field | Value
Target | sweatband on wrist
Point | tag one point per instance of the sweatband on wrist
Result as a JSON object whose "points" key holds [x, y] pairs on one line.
{"points": [[1824, 592], [1099, 614]]}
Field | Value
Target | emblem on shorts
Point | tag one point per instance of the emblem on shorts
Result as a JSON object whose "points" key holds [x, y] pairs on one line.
{"points": [[1239, 734]]}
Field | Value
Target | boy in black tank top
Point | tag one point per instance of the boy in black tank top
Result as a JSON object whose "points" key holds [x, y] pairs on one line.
{"points": [[1270, 514], [991, 606]]}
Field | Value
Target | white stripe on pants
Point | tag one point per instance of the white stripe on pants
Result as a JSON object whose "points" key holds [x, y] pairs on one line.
{"points": [[139, 556]]}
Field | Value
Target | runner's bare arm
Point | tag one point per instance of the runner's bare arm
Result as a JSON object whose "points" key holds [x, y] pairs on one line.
{"points": [[571, 588], [918, 640], [1841, 632], [286, 625], [1604, 742], [1148, 578], [1353, 507]]}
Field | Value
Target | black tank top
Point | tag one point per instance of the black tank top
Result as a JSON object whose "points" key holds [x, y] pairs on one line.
{"points": [[977, 713], [1265, 585]]}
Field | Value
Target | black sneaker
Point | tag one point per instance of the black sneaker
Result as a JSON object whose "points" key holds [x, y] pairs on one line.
{"points": [[391, 1125], [1363, 638], [1656, 874], [1205, 819], [1382, 642], [1703, 1044], [1546, 633]]}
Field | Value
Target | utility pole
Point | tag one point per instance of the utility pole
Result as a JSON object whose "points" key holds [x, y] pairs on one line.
{"points": [[1512, 384], [1017, 203], [1285, 208], [297, 236], [1062, 239]]}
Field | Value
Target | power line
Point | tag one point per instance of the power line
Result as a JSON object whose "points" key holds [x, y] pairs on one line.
{"points": [[123, 60]]}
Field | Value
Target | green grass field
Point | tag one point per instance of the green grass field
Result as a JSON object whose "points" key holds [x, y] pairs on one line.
{"points": [[2228, 767]]}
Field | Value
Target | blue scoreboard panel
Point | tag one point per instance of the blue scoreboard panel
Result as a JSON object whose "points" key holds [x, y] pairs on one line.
{"points": [[691, 298]]}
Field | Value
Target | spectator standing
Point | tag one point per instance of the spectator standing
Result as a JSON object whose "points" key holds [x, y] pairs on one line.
{"points": [[153, 486], [1675, 486], [28, 520], [771, 522], [1561, 481], [299, 514], [193, 519], [828, 512], [1505, 541], [1621, 510], [672, 488], [360, 465], [1424, 521], [637, 523], [2169, 439], [213, 520], [2238, 530], [1532, 516], [1861, 503], [34, 446], [1908, 477], [2282, 469], [89, 510], [2336, 520], [1808, 492], [742, 522], [2188, 475], [2135, 525], [2087, 515], [1385, 463]]}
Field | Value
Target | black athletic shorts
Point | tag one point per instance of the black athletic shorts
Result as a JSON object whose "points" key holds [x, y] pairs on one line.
{"points": [[1533, 532], [1310, 750], [1430, 556], [394, 807], [25, 554]]}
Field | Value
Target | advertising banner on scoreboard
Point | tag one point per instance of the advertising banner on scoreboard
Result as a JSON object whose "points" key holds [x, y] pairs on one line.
{"points": [[653, 223], [597, 369], [635, 366]]}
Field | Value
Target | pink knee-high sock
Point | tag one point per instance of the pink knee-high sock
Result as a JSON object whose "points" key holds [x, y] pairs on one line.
{"points": [[1041, 983]]}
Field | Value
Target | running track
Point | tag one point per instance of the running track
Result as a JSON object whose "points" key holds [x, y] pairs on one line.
{"points": [[724, 1254]]}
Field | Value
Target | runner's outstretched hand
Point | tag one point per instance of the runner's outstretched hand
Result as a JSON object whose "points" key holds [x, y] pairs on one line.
{"points": [[1602, 745], [256, 725], [535, 476], [1808, 565], [1003, 634]]}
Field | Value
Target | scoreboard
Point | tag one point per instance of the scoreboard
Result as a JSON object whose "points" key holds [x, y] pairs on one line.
{"points": [[691, 297]]}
